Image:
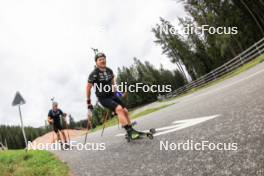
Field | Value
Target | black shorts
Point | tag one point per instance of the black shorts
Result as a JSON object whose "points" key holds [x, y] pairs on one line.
{"points": [[111, 102], [57, 126]]}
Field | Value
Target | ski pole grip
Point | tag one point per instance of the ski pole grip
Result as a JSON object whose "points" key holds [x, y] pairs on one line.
{"points": [[89, 101]]}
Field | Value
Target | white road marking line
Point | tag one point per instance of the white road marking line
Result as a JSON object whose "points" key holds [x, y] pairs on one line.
{"points": [[180, 124], [187, 123]]}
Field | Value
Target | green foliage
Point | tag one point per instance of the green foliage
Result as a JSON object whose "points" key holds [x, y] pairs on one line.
{"points": [[147, 74], [41, 163], [202, 53], [99, 114], [14, 136]]}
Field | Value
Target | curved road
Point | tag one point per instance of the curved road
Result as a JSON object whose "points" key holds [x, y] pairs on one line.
{"points": [[229, 112]]}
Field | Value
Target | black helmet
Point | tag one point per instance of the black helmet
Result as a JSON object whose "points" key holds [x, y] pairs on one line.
{"points": [[99, 55]]}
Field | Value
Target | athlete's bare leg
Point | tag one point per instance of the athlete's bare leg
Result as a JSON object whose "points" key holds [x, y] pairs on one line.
{"points": [[127, 115], [122, 116], [58, 136], [64, 136]]}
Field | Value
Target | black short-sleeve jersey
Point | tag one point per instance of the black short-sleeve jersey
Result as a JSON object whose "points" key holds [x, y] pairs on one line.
{"points": [[102, 81], [56, 115]]}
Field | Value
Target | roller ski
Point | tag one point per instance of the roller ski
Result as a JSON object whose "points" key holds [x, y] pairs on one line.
{"points": [[133, 134]]}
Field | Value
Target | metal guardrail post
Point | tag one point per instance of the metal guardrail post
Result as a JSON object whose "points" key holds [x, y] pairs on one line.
{"points": [[241, 60], [227, 70], [257, 48], [214, 75]]}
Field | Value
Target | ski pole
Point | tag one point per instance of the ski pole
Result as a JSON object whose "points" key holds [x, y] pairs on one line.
{"points": [[53, 132], [89, 123], [118, 123], [53, 140], [67, 128], [105, 119]]}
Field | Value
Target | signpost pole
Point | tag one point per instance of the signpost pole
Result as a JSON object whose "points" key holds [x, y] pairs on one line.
{"points": [[22, 126], [18, 101]]}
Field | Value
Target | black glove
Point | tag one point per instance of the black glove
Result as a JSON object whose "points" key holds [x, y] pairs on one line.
{"points": [[89, 105]]}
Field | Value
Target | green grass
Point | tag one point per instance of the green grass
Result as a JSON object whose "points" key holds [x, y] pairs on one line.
{"points": [[114, 121], [235, 72], [150, 110], [32, 163]]}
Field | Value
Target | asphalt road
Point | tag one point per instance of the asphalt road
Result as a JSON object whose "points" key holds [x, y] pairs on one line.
{"points": [[238, 106]]}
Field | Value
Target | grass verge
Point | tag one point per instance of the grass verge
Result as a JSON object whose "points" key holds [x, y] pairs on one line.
{"points": [[32, 163], [235, 72]]}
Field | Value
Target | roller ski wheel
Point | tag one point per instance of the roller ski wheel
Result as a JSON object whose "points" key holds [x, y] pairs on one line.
{"points": [[152, 130], [150, 136]]}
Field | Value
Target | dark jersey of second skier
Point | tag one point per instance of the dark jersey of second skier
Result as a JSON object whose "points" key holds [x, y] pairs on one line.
{"points": [[56, 115], [102, 79]]}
